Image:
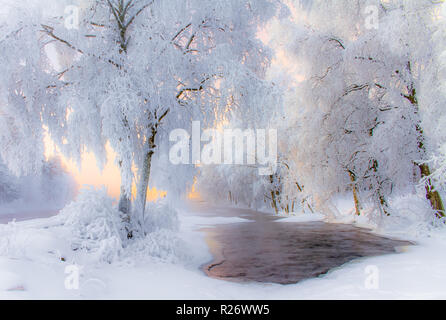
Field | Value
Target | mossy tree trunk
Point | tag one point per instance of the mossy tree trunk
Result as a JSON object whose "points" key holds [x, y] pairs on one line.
{"points": [[355, 193], [431, 194]]}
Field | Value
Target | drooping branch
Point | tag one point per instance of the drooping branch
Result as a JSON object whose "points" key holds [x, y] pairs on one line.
{"points": [[50, 32], [354, 88], [340, 44]]}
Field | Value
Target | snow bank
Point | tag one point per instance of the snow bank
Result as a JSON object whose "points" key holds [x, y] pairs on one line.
{"points": [[34, 255], [95, 226], [411, 217], [161, 246], [90, 231]]}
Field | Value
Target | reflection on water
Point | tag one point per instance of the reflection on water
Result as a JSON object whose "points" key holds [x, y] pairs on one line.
{"points": [[266, 250]]}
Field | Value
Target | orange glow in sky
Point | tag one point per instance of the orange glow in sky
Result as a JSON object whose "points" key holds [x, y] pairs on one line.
{"points": [[89, 173]]}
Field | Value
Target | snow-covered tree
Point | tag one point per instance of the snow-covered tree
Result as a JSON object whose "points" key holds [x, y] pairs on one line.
{"points": [[238, 180], [432, 93], [136, 70], [24, 95], [357, 114]]}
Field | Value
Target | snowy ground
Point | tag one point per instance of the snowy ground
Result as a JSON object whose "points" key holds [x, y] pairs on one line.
{"points": [[35, 254]]}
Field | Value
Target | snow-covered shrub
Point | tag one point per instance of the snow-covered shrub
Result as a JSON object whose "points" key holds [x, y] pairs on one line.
{"points": [[411, 215], [438, 162], [8, 241], [97, 229], [95, 224], [163, 245], [42, 240], [160, 240]]}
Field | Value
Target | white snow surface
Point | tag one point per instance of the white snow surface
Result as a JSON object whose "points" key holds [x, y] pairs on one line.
{"points": [[34, 255]]}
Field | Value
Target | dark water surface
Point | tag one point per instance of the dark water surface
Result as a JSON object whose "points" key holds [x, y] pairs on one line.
{"points": [[267, 250]]}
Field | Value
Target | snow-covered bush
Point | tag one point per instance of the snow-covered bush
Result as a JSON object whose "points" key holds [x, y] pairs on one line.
{"points": [[9, 243], [411, 215], [96, 229], [95, 225], [159, 239], [161, 245]]}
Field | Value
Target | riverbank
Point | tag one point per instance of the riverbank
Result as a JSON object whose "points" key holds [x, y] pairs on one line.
{"points": [[287, 253], [31, 267]]}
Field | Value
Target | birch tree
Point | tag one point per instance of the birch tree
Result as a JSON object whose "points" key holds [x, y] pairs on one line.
{"points": [[143, 68], [359, 122]]}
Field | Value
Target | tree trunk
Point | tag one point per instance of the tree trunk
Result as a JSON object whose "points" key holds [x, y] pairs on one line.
{"points": [[273, 195], [124, 203], [274, 202], [355, 194], [125, 206], [143, 184], [431, 195], [383, 203], [144, 176], [304, 201]]}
